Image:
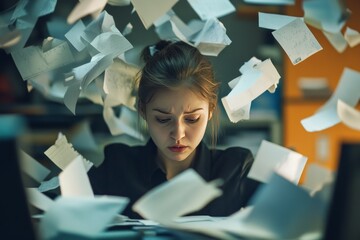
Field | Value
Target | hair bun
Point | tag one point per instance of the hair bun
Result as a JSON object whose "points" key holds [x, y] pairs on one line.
{"points": [[152, 50]]}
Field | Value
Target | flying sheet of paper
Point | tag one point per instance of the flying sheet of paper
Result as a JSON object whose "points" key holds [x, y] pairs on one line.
{"points": [[38, 199], [337, 40], [85, 7], [183, 194], [346, 90], [103, 23], [271, 2], [9, 38], [36, 8], [352, 37], [32, 167], [82, 76], [327, 15], [62, 153], [206, 9], [348, 115], [170, 26], [83, 216], [279, 210], [111, 43], [254, 82], [284, 210], [297, 41], [50, 184], [74, 180], [212, 39], [74, 35], [316, 176], [119, 84], [274, 21], [119, 2], [150, 11], [25, 16], [275, 158], [125, 124], [41, 61]]}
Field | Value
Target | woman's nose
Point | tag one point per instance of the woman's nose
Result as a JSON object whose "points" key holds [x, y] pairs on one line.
{"points": [[178, 131]]}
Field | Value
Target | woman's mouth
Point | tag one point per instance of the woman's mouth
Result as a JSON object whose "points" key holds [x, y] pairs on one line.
{"points": [[178, 148]]}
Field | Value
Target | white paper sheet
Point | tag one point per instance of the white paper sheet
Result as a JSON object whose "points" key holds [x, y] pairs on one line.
{"points": [[271, 2], [316, 176], [85, 7], [348, 115], [32, 61], [275, 158], [125, 124], [32, 167], [74, 180], [207, 9], [253, 83], [74, 35], [327, 15], [297, 41], [274, 21], [150, 11], [212, 39], [82, 216], [119, 84], [50, 184], [38, 199], [62, 153], [337, 40], [183, 194], [346, 90], [352, 37]]}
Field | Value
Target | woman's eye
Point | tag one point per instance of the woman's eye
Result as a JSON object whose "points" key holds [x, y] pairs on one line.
{"points": [[192, 120], [163, 120]]}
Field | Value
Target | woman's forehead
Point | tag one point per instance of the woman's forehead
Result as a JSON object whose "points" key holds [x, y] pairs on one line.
{"points": [[182, 98]]}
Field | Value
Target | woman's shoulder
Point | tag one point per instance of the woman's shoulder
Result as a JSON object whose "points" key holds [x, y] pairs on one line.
{"points": [[233, 153]]}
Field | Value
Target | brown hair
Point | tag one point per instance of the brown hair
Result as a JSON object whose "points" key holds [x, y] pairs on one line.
{"points": [[169, 65]]}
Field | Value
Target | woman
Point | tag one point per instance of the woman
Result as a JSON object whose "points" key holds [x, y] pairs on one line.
{"points": [[177, 97]]}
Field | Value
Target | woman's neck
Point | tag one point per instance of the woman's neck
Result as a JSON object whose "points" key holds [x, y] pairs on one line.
{"points": [[173, 168]]}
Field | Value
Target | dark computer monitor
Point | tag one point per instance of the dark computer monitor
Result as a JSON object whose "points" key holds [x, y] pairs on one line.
{"points": [[343, 221], [15, 216]]}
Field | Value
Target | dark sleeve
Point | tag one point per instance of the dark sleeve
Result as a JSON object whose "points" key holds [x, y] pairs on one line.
{"points": [[98, 176], [233, 166], [248, 186]]}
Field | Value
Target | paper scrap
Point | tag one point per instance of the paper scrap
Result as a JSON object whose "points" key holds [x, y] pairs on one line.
{"points": [[50, 184], [32, 167], [275, 158], [348, 115], [32, 61], [74, 180], [207, 9], [347, 90], [274, 21], [352, 37], [62, 153], [297, 41], [82, 216], [150, 11], [337, 40], [183, 194], [271, 2], [38, 199], [85, 7]]}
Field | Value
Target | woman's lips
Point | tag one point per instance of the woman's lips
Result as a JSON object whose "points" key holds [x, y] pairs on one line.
{"points": [[178, 148]]}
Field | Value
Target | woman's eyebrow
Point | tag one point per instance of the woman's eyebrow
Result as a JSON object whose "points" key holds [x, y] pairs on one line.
{"points": [[166, 112]]}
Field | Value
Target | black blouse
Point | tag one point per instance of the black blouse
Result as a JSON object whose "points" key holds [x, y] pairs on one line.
{"points": [[133, 171]]}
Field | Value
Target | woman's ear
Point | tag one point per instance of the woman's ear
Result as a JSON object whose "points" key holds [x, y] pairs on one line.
{"points": [[210, 114]]}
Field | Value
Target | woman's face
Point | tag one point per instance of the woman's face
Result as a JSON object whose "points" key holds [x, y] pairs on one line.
{"points": [[177, 121]]}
